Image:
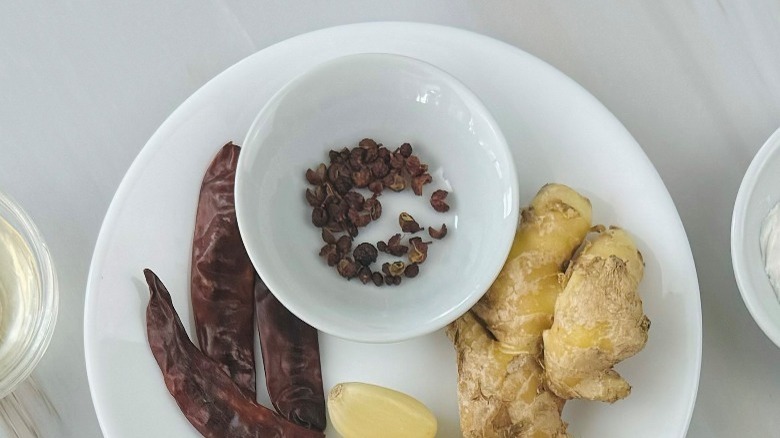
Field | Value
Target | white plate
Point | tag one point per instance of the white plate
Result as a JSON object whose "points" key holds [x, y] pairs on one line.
{"points": [[566, 135]]}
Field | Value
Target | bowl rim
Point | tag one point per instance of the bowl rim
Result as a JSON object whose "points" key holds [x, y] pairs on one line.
{"points": [[770, 327], [453, 312], [46, 316]]}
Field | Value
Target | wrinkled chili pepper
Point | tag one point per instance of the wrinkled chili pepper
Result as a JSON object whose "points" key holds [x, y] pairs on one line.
{"points": [[212, 402], [291, 357], [222, 275]]}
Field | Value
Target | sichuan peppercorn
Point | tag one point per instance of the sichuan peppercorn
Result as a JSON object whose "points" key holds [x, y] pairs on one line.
{"points": [[438, 201], [338, 206], [407, 223], [438, 234], [365, 254]]}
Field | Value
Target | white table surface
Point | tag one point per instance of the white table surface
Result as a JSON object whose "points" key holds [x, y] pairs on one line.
{"points": [[83, 84]]}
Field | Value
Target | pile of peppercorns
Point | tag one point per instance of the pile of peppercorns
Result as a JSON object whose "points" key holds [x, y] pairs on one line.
{"points": [[339, 209]]}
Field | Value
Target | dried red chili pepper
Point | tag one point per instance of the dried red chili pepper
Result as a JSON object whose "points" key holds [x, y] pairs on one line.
{"points": [[222, 275], [210, 400], [291, 357]]}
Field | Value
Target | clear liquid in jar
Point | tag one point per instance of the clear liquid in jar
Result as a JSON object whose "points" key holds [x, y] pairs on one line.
{"points": [[19, 295]]}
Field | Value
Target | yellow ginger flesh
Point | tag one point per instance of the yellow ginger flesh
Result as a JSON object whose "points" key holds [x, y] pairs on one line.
{"points": [[598, 320], [501, 387], [519, 305]]}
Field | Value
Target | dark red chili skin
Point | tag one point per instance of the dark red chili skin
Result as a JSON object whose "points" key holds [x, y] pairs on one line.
{"points": [[222, 276], [291, 358], [212, 402]]}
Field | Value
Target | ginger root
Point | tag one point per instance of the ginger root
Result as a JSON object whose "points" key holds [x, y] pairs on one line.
{"points": [[598, 320], [501, 395], [501, 387], [519, 305]]}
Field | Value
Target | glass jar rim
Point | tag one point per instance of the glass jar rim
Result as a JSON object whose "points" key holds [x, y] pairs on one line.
{"points": [[46, 313]]}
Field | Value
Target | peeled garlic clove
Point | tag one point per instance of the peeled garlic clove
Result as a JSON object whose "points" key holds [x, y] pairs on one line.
{"points": [[362, 410]]}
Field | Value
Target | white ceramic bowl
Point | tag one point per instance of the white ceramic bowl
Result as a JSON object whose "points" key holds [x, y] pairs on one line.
{"points": [[392, 99], [758, 193]]}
